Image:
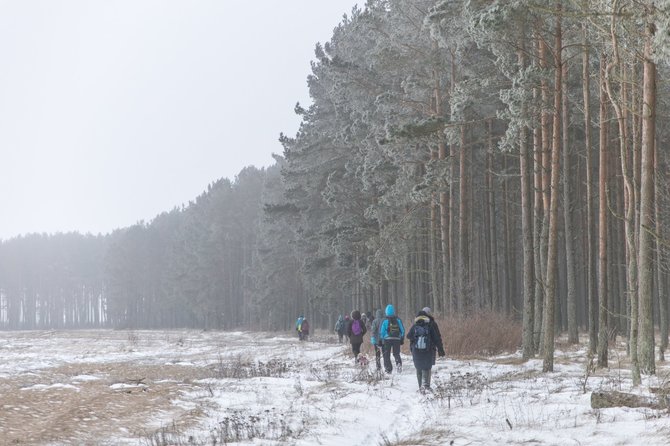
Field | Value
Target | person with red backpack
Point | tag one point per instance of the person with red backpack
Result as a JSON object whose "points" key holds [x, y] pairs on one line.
{"points": [[355, 331], [391, 335]]}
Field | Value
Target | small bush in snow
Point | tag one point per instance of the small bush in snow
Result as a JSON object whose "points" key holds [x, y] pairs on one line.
{"points": [[270, 424], [242, 368]]}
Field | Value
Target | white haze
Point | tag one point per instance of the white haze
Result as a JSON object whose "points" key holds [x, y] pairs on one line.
{"points": [[112, 112]]}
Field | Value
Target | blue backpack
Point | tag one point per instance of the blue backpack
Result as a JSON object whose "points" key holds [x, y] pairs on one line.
{"points": [[421, 338]]}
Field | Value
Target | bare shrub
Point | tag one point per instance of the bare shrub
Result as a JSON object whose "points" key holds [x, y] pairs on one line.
{"points": [[459, 387], [270, 424], [239, 367], [480, 334]]}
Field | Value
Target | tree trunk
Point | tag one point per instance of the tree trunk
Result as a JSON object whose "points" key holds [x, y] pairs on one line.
{"points": [[590, 221], [645, 276], [464, 297], [552, 248], [525, 162], [493, 242], [603, 329], [660, 262], [573, 335]]}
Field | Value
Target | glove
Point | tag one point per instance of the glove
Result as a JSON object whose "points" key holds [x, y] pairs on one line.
{"points": [[441, 353]]}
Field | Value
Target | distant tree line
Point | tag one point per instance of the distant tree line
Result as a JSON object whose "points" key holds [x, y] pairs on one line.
{"points": [[467, 155]]}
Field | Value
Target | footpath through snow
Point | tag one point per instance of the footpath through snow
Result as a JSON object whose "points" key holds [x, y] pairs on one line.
{"points": [[193, 387]]}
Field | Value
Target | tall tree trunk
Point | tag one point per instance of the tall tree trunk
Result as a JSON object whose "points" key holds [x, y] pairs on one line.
{"points": [[645, 276], [525, 163], [661, 260], [603, 329], [590, 221], [539, 208], [465, 295], [552, 252], [493, 242], [629, 207], [573, 335]]}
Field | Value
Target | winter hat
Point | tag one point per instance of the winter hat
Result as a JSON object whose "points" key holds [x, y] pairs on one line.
{"points": [[427, 310], [390, 311]]}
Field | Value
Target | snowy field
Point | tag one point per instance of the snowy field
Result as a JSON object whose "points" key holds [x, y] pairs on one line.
{"points": [[193, 387]]}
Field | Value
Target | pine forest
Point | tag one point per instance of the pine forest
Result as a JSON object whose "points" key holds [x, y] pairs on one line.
{"points": [[504, 157]]}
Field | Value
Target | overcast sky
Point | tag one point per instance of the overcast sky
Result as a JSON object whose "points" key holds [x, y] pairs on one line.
{"points": [[114, 111]]}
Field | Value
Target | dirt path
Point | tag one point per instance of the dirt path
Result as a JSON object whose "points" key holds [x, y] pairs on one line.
{"points": [[87, 403]]}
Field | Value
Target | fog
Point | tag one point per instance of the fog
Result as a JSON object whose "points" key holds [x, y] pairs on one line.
{"points": [[113, 112]]}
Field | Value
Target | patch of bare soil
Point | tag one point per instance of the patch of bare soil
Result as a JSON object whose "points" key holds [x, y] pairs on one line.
{"points": [[91, 404]]}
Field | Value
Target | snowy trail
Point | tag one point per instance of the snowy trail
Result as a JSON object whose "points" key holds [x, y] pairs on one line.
{"points": [[172, 387]]}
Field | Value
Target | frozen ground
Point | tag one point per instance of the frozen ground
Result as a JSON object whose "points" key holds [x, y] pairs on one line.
{"points": [[193, 387]]}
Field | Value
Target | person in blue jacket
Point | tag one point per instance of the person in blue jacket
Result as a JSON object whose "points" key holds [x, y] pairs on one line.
{"points": [[391, 335], [298, 326]]}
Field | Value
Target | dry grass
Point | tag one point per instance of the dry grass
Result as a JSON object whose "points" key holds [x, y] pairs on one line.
{"points": [[94, 410], [485, 334]]}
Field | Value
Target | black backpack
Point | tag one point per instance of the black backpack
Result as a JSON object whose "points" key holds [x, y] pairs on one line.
{"points": [[393, 329]]}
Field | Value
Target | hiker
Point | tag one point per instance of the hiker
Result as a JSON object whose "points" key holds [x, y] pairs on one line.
{"points": [[347, 321], [339, 328], [374, 337], [298, 326], [368, 321], [304, 330], [437, 346], [355, 331], [392, 336], [422, 340]]}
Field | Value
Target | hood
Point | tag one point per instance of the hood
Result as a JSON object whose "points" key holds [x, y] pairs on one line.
{"points": [[340, 318], [422, 320], [390, 311], [356, 314], [379, 314]]}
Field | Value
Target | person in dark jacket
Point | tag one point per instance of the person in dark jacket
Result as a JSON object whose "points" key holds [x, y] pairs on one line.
{"points": [[392, 334], [438, 347], [422, 338], [374, 337], [304, 330], [355, 331], [340, 326]]}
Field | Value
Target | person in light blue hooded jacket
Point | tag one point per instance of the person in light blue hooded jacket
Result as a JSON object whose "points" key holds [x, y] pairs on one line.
{"points": [[392, 335]]}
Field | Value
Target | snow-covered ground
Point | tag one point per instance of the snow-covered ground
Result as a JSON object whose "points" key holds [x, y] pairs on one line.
{"points": [[194, 387]]}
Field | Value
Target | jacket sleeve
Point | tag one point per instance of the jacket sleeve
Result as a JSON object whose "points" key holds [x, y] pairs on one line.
{"points": [[437, 338], [402, 328], [410, 335], [383, 330], [347, 329]]}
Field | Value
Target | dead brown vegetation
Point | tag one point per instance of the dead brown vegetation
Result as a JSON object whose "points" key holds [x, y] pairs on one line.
{"points": [[484, 334]]}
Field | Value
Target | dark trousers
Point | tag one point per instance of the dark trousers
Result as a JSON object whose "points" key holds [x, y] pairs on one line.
{"points": [[423, 377], [356, 349], [378, 356], [389, 346]]}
